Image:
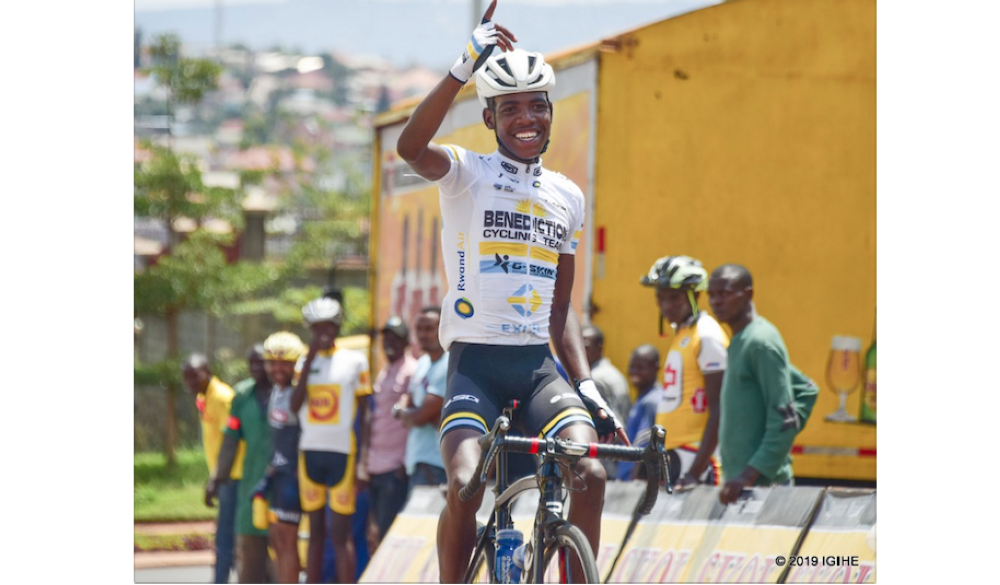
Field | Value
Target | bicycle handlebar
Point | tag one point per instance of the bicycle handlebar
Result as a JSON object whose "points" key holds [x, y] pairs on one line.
{"points": [[653, 457]]}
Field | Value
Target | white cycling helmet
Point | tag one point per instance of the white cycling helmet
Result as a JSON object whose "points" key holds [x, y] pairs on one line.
{"points": [[322, 309], [516, 71]]}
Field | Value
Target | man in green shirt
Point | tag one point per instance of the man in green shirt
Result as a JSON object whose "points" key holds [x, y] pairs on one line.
{"points": [[248, 422], [758, 419]]}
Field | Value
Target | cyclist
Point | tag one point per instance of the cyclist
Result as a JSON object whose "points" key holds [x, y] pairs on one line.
{"points": [[337, 385], [281, 351], [692, 371], [510, 229]]}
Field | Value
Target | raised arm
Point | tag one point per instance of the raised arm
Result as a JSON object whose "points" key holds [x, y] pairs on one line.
{"points": [[414, 145]]}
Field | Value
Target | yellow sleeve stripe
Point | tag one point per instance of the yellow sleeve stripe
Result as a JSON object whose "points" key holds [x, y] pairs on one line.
{"points": [[450, 150]]}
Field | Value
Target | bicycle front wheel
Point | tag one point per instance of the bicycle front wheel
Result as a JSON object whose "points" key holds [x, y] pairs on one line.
{"points": [[567, 560]]}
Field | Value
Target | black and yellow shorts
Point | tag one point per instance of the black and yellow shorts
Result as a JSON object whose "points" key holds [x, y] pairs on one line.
{"points": [[483, 379]]}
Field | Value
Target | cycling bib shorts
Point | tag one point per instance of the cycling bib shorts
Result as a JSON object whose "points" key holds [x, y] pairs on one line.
{"points": [[483, 379]]}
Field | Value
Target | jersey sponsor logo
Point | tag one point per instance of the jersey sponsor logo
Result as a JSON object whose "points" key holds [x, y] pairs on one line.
{"points": [[543, 271], [673, 376], [712, 365], [508, 167], [516, 225], [525, 206], [536, 184], [503, 264], [525, 300], [279, 416], [698, 401], [506, 188], [461, 397], [464, 308], [537, 172], [685, 342], [461, 262], [324, 403], [519, 328]]}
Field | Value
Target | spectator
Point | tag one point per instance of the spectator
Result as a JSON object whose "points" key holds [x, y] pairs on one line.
{"points": [[609, 379], [337, 385], [248, 426], [386, 464], [759, 420], [281, 352], [643, 367], [692, 372], [213, 398], [420, 410]]}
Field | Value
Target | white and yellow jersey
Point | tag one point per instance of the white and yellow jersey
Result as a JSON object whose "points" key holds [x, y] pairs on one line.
{"points": [[698, 348], [504, 225], [336, 378]]}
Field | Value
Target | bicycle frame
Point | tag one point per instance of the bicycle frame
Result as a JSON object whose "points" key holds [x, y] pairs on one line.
{"points": [[549, 481]]}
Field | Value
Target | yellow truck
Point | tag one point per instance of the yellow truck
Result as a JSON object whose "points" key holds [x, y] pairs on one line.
{"points": [[743, 132]]}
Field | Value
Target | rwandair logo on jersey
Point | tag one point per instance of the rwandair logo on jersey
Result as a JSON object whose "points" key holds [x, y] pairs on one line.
{"points": [[525, 301], [461, 263], [464, 308]]}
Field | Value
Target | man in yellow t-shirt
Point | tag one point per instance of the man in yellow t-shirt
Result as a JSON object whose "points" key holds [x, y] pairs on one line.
{"points": [[692, 371], [213, 398]]}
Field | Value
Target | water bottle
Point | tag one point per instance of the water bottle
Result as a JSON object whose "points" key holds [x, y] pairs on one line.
{"points": [[508, 540]]}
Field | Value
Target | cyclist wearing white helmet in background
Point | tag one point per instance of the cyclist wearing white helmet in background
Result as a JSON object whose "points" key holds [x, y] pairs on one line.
{"points": [[692, 372], [337, 385], [509, 234]]}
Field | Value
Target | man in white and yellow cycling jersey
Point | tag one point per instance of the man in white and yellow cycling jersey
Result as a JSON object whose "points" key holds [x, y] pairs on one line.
{"points": [[509, 234], [692, 371], [332, 391]]}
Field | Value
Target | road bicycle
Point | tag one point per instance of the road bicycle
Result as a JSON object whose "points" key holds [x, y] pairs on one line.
{"points": [[552, 537]]}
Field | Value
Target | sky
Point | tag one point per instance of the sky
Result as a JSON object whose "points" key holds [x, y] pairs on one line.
{"points": [[427, 32]]}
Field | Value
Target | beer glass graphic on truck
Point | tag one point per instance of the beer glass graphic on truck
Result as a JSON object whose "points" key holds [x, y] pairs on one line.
{"points": [[843, 373]]}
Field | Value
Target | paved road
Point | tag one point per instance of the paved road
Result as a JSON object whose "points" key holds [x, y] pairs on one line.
{"points": [[178, 575]]}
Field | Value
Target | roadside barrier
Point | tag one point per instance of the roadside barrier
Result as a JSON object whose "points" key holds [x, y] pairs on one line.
{"points": [[839, 546], [772, 535]]}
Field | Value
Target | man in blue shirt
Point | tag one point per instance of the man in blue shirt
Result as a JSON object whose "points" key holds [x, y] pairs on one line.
{"points": [[643, 367], [421, 407]]}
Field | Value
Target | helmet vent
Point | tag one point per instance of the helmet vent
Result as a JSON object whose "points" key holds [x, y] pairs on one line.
{"points": [[502, 63]]}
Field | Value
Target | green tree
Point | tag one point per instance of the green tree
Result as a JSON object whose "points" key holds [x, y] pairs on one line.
{"points": [[194, 274], [187, 80]]}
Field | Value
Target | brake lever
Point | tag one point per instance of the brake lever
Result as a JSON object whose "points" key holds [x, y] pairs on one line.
{"points": [[500, 434]]}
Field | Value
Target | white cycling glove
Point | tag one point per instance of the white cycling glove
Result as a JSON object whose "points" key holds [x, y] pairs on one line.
{"points": [[479, 47], [594, 401]]}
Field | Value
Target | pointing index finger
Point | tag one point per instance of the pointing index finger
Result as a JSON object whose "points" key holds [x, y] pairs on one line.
{"points": [[489, 11]]}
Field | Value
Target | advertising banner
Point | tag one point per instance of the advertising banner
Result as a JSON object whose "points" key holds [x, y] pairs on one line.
{"points": [[840, 544]]}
